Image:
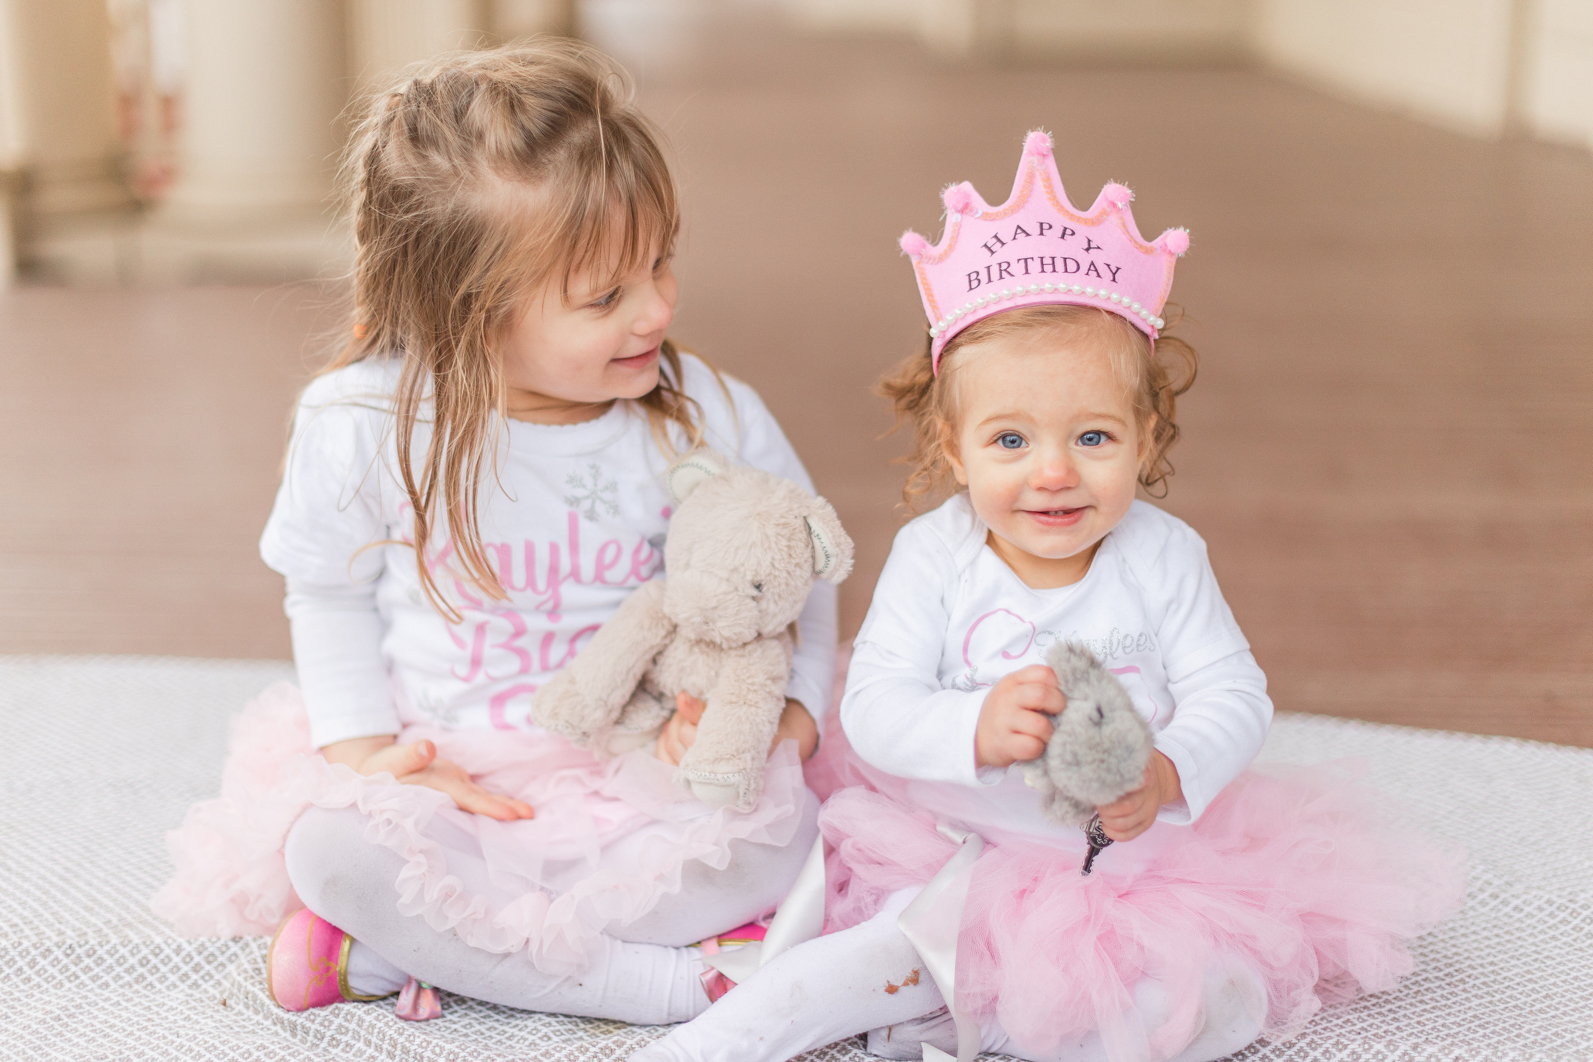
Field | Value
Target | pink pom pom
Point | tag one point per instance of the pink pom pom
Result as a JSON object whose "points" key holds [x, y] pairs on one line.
{"points": [[1038, 142], [959, 198], [1118, 195], [1177, 241], [913, 244]]}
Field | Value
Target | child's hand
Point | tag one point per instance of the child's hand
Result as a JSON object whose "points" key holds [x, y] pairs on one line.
{"points": [[1127, 817], [1014, 723], [417, 764], [797, 723], [681, 730]]}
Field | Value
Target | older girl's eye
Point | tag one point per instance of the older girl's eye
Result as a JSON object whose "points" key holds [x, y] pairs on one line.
{"points": [[1092, 438], [1009, 440], [607, 300]]}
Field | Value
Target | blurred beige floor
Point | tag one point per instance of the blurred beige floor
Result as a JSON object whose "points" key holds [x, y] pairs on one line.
{"points": [[1387, 450]]}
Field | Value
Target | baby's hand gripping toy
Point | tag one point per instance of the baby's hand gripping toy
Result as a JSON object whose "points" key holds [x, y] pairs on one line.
{"points": [[1098, 750], [743, 550]]}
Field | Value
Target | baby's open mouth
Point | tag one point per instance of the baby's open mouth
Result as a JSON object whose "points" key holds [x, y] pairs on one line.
{"points": [[1058, 517]]}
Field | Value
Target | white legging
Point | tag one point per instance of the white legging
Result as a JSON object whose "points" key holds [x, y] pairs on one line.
{"points": [[640, 973], [862, 980]]}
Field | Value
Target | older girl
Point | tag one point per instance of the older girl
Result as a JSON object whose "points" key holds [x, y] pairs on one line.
{"points": [[470, 490]]}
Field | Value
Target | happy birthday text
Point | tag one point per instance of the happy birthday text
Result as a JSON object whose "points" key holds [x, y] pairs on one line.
{"points": [[1039, 264]]}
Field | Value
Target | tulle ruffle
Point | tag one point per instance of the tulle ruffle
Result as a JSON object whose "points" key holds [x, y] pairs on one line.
{"points": [[231, 879], [1306, 876]]}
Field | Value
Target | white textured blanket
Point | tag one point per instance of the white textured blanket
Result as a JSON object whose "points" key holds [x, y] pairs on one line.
{"points": [[101, 755]]}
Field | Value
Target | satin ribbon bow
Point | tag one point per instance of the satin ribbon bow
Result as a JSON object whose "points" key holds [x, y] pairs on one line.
{"points": [[799, 918], [931, 923]]}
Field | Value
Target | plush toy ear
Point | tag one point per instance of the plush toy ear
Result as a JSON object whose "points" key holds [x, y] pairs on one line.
{"points": [[832, 547], [685, 475]]}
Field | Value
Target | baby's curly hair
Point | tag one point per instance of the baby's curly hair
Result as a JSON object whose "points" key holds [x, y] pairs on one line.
{"points": [[1158, 376]]}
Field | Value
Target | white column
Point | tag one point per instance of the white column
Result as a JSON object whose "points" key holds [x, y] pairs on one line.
{"points": [[1557, 80], [61, 104], [386, 35], [61, 160], [857, 16], [1144, 30], [13, 141], [522, 18], [1447, 61], [263, 90], [967, 27]]}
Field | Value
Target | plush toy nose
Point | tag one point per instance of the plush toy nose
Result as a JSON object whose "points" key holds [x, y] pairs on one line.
{"points": [[710, 608]]}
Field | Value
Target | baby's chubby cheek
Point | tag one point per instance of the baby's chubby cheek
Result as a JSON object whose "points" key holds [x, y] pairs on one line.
{"points": [[998, 517], [993, 491], [999, 504]]}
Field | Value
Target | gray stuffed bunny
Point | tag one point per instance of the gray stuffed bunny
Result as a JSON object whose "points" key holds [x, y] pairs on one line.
{"points": [[1099, 745], [743, 550]]}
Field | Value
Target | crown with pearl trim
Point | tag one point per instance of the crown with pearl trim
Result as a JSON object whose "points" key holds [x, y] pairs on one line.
{"points": [[1036, 249]]}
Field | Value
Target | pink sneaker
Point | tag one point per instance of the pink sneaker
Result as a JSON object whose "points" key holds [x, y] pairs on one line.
{"points": [[714, 983], [307, 965]]}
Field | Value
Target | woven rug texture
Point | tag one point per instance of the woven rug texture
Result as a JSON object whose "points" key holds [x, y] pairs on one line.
{"points": [[104, 754]]}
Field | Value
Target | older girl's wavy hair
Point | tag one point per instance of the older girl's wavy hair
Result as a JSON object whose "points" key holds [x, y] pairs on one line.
{"points": [[472, 181], [1157, 376]]}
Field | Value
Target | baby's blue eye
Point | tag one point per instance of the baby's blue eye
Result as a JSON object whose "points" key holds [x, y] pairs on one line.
{"points": [[1092, 438], [1009, 440]]}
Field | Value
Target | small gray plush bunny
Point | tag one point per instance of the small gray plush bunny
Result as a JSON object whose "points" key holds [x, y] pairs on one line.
{"points": [[1098, 749]]}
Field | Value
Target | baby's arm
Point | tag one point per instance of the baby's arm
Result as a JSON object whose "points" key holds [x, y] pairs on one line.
{"points": [[1221, 711], [1218, 727]]}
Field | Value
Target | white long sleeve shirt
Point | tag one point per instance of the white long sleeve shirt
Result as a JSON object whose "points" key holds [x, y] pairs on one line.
{"points": [[572, 521], [949, 619]]}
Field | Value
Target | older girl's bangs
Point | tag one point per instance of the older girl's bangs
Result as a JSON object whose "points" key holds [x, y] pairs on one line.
{"points": [[620, 220]]}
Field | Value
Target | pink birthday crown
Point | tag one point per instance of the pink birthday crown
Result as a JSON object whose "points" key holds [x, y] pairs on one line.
{"points": [[1035, 249]]}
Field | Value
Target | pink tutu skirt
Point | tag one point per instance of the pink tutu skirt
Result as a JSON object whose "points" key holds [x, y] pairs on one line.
{"points": [[231, 879], [1306, 876]]}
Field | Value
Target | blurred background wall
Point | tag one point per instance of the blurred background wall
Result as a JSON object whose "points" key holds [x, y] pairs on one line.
{"points": [[1487, 67], [172, 140]]}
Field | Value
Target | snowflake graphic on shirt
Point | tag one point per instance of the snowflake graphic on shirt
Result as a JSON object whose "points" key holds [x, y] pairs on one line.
{"points": [[591, 493], [438, 708], [969, 682]]}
